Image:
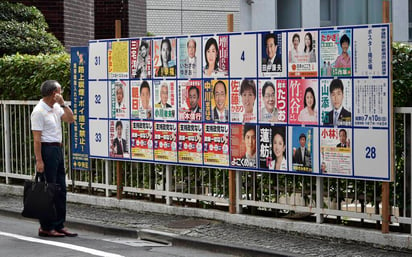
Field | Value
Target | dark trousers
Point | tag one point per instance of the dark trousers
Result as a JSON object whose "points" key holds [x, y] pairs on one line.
{"points": [[54, 170]]}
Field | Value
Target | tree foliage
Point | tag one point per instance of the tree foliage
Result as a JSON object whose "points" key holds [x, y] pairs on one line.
{"points": [[23, 30]]}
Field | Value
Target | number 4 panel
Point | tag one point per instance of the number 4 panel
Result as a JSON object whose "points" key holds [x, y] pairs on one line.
{"points": [[243, 55], [98, 138], [371, 153]]}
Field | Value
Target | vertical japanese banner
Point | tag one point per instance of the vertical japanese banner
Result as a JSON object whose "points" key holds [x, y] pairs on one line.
{"points": [[336, 53], [302, 101], [302, 142], [79, 96], [336, 151], [164, 99], [118, 55], [243, 97], [142, 140], [190, 145], [302, 56], [141, 107], [216, 100], [371, 107], [216, 59], [216, 144], [272, 54], [272, 147], [165, 147], [190, 100], [119, 138], [336, 102], [164, 59], [134, 55], [243, 139], [371, 51], [140, 59], [119, 95], [190, 56]]}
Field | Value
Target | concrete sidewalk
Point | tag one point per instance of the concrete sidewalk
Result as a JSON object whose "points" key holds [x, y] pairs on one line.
{"points": [[240, 235]]}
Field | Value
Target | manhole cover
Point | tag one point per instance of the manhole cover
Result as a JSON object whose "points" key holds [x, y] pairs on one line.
{"points": [[190, 223]]}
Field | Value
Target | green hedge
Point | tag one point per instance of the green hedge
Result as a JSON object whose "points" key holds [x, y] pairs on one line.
{"points": [[22, 75], [402, 76]]}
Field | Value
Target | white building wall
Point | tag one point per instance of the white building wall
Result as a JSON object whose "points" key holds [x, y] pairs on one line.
{"points": [[176, 17], [400, 20]]}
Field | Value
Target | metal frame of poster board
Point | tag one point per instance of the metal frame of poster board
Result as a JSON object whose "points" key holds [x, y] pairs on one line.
{"points": [[350, 131]]}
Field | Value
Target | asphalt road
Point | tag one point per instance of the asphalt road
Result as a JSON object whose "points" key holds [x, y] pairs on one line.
{"points": [[18, 237]]}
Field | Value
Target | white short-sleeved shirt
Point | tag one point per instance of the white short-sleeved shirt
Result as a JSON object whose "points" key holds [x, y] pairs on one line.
{"points": [[48, 121]]}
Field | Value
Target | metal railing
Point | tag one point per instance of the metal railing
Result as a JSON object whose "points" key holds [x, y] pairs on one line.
{"points": [[342, 200]]}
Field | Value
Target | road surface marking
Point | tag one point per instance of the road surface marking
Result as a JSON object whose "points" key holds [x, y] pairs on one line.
{"points": [[63, 245]]}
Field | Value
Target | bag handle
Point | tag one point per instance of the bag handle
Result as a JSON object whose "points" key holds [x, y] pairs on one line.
{"points": [[40, 177]]}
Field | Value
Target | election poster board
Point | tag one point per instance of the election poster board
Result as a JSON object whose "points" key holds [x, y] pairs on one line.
{"points": [[313, 101]]}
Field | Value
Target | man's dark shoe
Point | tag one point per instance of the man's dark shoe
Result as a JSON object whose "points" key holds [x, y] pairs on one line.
{"points": [[66, 232], [50, 233]]}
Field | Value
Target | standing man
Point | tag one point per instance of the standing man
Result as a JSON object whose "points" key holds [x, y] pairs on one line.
{"points": [[220, 112], [273, 61], [47, 136], [302, 155], [119, 145]]}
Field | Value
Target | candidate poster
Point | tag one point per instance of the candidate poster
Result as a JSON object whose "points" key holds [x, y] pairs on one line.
{"points": [[336, 151], [119, 138], [164, 100], [165, 146], [272, 54], [141, 99], [142, 140], [371, 107], [216, 144], [371, 51], [119, 95], [118, 59], [243, 145], [216, 100], [302, 55], [216, 58], [272, 148], [302, 149], [140, 59], [190, 56], [190, 100], [190, 145], [273, 101], [164, 59], [302, 101], [336, 102], [336, 53], [243, 101]]}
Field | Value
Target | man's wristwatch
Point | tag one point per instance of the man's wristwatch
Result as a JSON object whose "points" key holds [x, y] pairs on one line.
{"points": [[63, 106]]}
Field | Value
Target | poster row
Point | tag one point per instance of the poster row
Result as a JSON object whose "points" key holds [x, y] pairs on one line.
{"points": [[321, 52], [327, 151], [326, 102]]}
